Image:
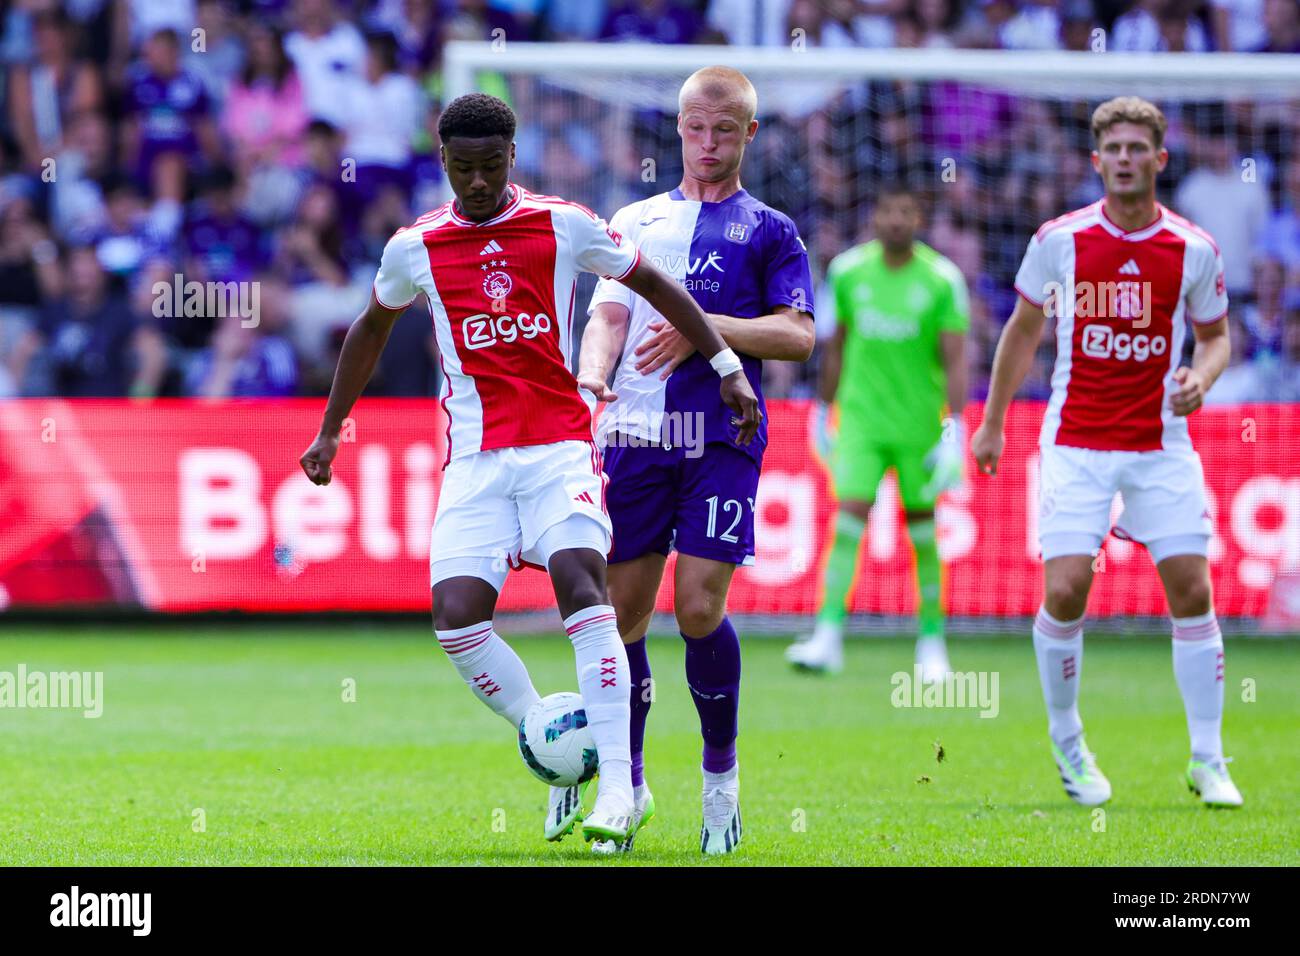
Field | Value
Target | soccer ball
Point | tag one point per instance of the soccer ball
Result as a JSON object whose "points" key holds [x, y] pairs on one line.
{"points": [[555, 742]]}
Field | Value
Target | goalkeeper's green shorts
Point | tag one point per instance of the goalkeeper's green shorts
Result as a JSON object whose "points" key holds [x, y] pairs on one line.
{"points": [[859, 463]]}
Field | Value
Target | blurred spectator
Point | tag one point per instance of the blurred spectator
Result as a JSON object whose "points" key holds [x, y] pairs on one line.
{"points": [[748, 22], [221, 245], [1280, 238], [168, 120], [1264, 314], [216, 56], [1218, 197], [86, 160], [265, 121], [1035, 25], [575, 19], [650, 21], [310, 249], [29, 272], [1247, 377], [414, 24], [554, 127], [1239, 25], [91, 344], [125, 239], [480, 20], [937, 19], [381, 113], [327, 52], [135, 21], [249, 359], [1282, 26], [1141, 31], [409, 365], [1079, 27], [44, 97], [1290, 364]]}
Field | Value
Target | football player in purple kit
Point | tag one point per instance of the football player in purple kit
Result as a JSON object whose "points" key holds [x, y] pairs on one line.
{"points": [[678, 479]]}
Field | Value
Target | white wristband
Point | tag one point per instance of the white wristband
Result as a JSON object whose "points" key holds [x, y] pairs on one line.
{"points": [[726, 362]]}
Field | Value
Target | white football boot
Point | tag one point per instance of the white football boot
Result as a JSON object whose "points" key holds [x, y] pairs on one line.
{"points": [[722, 829], [823, 652], [1210, 781], [932, 658], [642, 814], [610, 819], [1084, 782], [564, 810]]}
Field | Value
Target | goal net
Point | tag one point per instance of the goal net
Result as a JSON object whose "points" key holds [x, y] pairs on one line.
{"points": [[995, 143]]}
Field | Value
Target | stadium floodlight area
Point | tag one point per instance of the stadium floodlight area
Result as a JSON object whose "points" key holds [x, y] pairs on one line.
{"points": [[996, 143]]}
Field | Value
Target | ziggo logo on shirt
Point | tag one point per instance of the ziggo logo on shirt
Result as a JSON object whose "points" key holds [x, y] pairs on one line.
{"points": [[484, 330], [1102, 342]]}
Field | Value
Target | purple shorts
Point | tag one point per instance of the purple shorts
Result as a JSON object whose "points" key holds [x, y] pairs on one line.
{"points": [[701, 506]]}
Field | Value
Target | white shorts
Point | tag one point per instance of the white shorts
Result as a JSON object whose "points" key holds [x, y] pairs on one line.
{"points": [[1163, 495], [505, 508]]}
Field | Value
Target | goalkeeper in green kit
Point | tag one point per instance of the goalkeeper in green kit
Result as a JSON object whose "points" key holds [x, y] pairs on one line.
{"points": [[896, 359]]}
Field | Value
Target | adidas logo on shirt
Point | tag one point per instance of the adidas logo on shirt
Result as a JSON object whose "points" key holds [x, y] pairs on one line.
{"points": [[1130, 268], [495, 246]]}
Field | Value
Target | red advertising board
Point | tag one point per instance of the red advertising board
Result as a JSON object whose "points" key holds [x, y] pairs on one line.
{"points": [[190, 505]]}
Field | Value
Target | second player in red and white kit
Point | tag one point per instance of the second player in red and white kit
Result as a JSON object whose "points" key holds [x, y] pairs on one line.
{"points": [[524, 481], [1125, 279]]}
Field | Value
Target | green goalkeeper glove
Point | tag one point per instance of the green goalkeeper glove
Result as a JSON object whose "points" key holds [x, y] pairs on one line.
{"points": [[822, 434], [946, 459]]}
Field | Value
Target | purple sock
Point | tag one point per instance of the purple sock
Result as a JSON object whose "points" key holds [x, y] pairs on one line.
{"points": [[713, 675], [639, 667]]}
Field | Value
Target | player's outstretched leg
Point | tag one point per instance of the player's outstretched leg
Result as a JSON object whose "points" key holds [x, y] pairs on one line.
{"points": [[1198, 668], [496, 675], [579, 578], [487, 664], [1058, 645], [824, 650], [931, 650], [633, 589], [713, 676]]}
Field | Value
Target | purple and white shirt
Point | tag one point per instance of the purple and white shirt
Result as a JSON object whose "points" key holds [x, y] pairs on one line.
{"points": [[738, 257]]}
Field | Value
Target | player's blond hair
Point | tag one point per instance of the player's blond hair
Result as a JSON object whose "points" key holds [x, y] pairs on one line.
{"points": [[721, 85], [1129, 109]]}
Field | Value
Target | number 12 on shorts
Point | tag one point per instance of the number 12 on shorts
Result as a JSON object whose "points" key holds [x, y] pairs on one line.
{"points": [[731, 504]]}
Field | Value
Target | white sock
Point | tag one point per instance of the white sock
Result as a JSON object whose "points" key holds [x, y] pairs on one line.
{"points": [[492, 670], [1198, 667], [603, 678], [1058, 646], [712, 780]]}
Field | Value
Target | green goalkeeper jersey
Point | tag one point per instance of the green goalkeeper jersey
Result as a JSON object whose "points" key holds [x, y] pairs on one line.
{"points": [[892, 382]]}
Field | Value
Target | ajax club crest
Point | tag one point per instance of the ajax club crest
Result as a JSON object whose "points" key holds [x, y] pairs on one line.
{"points": [[497, 285]]}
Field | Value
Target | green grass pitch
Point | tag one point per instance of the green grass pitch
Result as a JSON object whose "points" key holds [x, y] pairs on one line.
{"points": [[248, 724]]}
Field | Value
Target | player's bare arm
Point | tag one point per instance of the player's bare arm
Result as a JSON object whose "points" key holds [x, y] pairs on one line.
{"points": [[786, 334], [362, 347], [602, 344], [675, 304], [1210, 358], [952, 355], [832, 361], [1011, 363]]}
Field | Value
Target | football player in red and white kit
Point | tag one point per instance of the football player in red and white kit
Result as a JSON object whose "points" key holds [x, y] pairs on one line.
{"points": [[1123, 277], [524, 480]]}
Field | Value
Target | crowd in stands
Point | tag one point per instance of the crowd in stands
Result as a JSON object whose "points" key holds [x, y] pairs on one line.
{"points": [[277, 144]]}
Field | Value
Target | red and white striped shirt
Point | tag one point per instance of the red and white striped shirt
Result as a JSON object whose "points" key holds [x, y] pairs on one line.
{"points": [[1121, 301], [501, 294]]}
